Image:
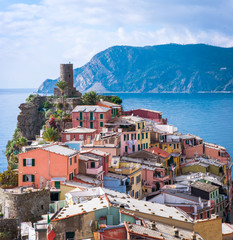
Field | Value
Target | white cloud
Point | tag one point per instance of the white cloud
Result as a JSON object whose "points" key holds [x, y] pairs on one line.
{"points": [[35, 38]]}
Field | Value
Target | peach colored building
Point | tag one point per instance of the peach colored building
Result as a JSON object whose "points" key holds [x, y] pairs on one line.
{"points": [[77, 134], [38, 166], [93, 117]]}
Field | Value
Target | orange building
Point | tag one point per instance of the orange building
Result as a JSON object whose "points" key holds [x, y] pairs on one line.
{"points": [[54, 162]]}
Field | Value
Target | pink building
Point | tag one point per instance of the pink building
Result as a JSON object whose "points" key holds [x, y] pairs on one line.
{"points": [[146, 113], [93, 117], [128, 142], [77, 134], [101, 165]]}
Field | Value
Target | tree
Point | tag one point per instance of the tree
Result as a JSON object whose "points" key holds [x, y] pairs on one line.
{"points": [[90, 98], [8, 179], [22, 142], [116, 100], [62, 85], [51, 134]]}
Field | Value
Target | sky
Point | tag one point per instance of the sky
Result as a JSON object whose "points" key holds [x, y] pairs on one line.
{"points": [[37, 35]]}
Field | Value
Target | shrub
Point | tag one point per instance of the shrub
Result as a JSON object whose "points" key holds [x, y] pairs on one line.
{"points": [[30, 98]]}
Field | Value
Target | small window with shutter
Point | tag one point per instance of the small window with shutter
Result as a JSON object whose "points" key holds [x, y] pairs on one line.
{"points": [[28, 162]]}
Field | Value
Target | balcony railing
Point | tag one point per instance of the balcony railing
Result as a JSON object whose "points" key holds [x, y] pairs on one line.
{"points": [[94, 171]]}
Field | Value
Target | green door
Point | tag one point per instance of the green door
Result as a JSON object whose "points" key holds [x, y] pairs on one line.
{"points": [[57, 184]]}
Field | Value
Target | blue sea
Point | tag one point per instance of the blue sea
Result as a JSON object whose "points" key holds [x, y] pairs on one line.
{"points": [[207, 115]]}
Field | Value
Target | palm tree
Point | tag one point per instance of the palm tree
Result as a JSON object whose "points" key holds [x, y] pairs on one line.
{"points": [[90, 98], [51, 134], [62, 85]]}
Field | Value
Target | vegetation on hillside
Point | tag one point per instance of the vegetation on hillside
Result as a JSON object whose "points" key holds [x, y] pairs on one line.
{"points": [[14, 147], [8, 179]]}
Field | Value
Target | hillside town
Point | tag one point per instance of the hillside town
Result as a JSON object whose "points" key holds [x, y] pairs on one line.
{"points": [[105, 173]]}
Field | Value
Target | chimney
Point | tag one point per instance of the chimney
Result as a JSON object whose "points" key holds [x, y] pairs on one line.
{"points": [[194, 236], [176, 232]]}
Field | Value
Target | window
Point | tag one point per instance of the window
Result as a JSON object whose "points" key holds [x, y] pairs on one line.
{"points": [[71, 176], [70, 161], [101, 124], [142, 135], [70, 235], [127, 136], [132, 136], [126, 148], [146, 135], [135, 136], [201, 216], [28, 162], [133, 148], [208, 214], [28, 178], [101, 116], [91, 124], [132, 180], [138, 147], [81, 137], [124, 137], [174, 146], [80, 116], [146, 145], [136, 195], [80, 124], [42, 207], [67, 137], [75, 159], [138, 125], [92, 164], [139, 136], [177, 145], [138, 179], [91, 115], [132, 193]]}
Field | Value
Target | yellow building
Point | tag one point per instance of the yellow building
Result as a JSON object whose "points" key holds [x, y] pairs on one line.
{"points": [[134, 173], [142, 132], [175, 149]]}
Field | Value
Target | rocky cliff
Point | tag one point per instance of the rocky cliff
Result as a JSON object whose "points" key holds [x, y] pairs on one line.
{"points": [[162, 68], [31, 119]]}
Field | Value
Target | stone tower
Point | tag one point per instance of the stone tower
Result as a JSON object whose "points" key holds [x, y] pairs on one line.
{"points": [[66, 74]]}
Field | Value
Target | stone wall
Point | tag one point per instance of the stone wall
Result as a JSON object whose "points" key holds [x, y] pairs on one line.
{"points": [[71, 102], [9, 229], [29, 206]]}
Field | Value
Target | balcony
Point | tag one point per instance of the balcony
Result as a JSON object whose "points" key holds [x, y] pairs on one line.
{"points": [[94, 171], [161, 179]]}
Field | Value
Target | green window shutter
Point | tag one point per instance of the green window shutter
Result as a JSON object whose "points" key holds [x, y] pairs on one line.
{"points": [[138, 147], [101, 116], [33, 162], [81, 116], [33, 178], [91, 115], [139, 136], [81, 124], [24, 162], [101, 124], [24, 178]]}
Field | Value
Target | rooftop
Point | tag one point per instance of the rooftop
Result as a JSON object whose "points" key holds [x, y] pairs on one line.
{"points": [[96, 152], [204, 186], [109, 104], [60, 150], [87, 158], [88, 108], [158, 151], [151, 208], [79, 130], [117, 176]]}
